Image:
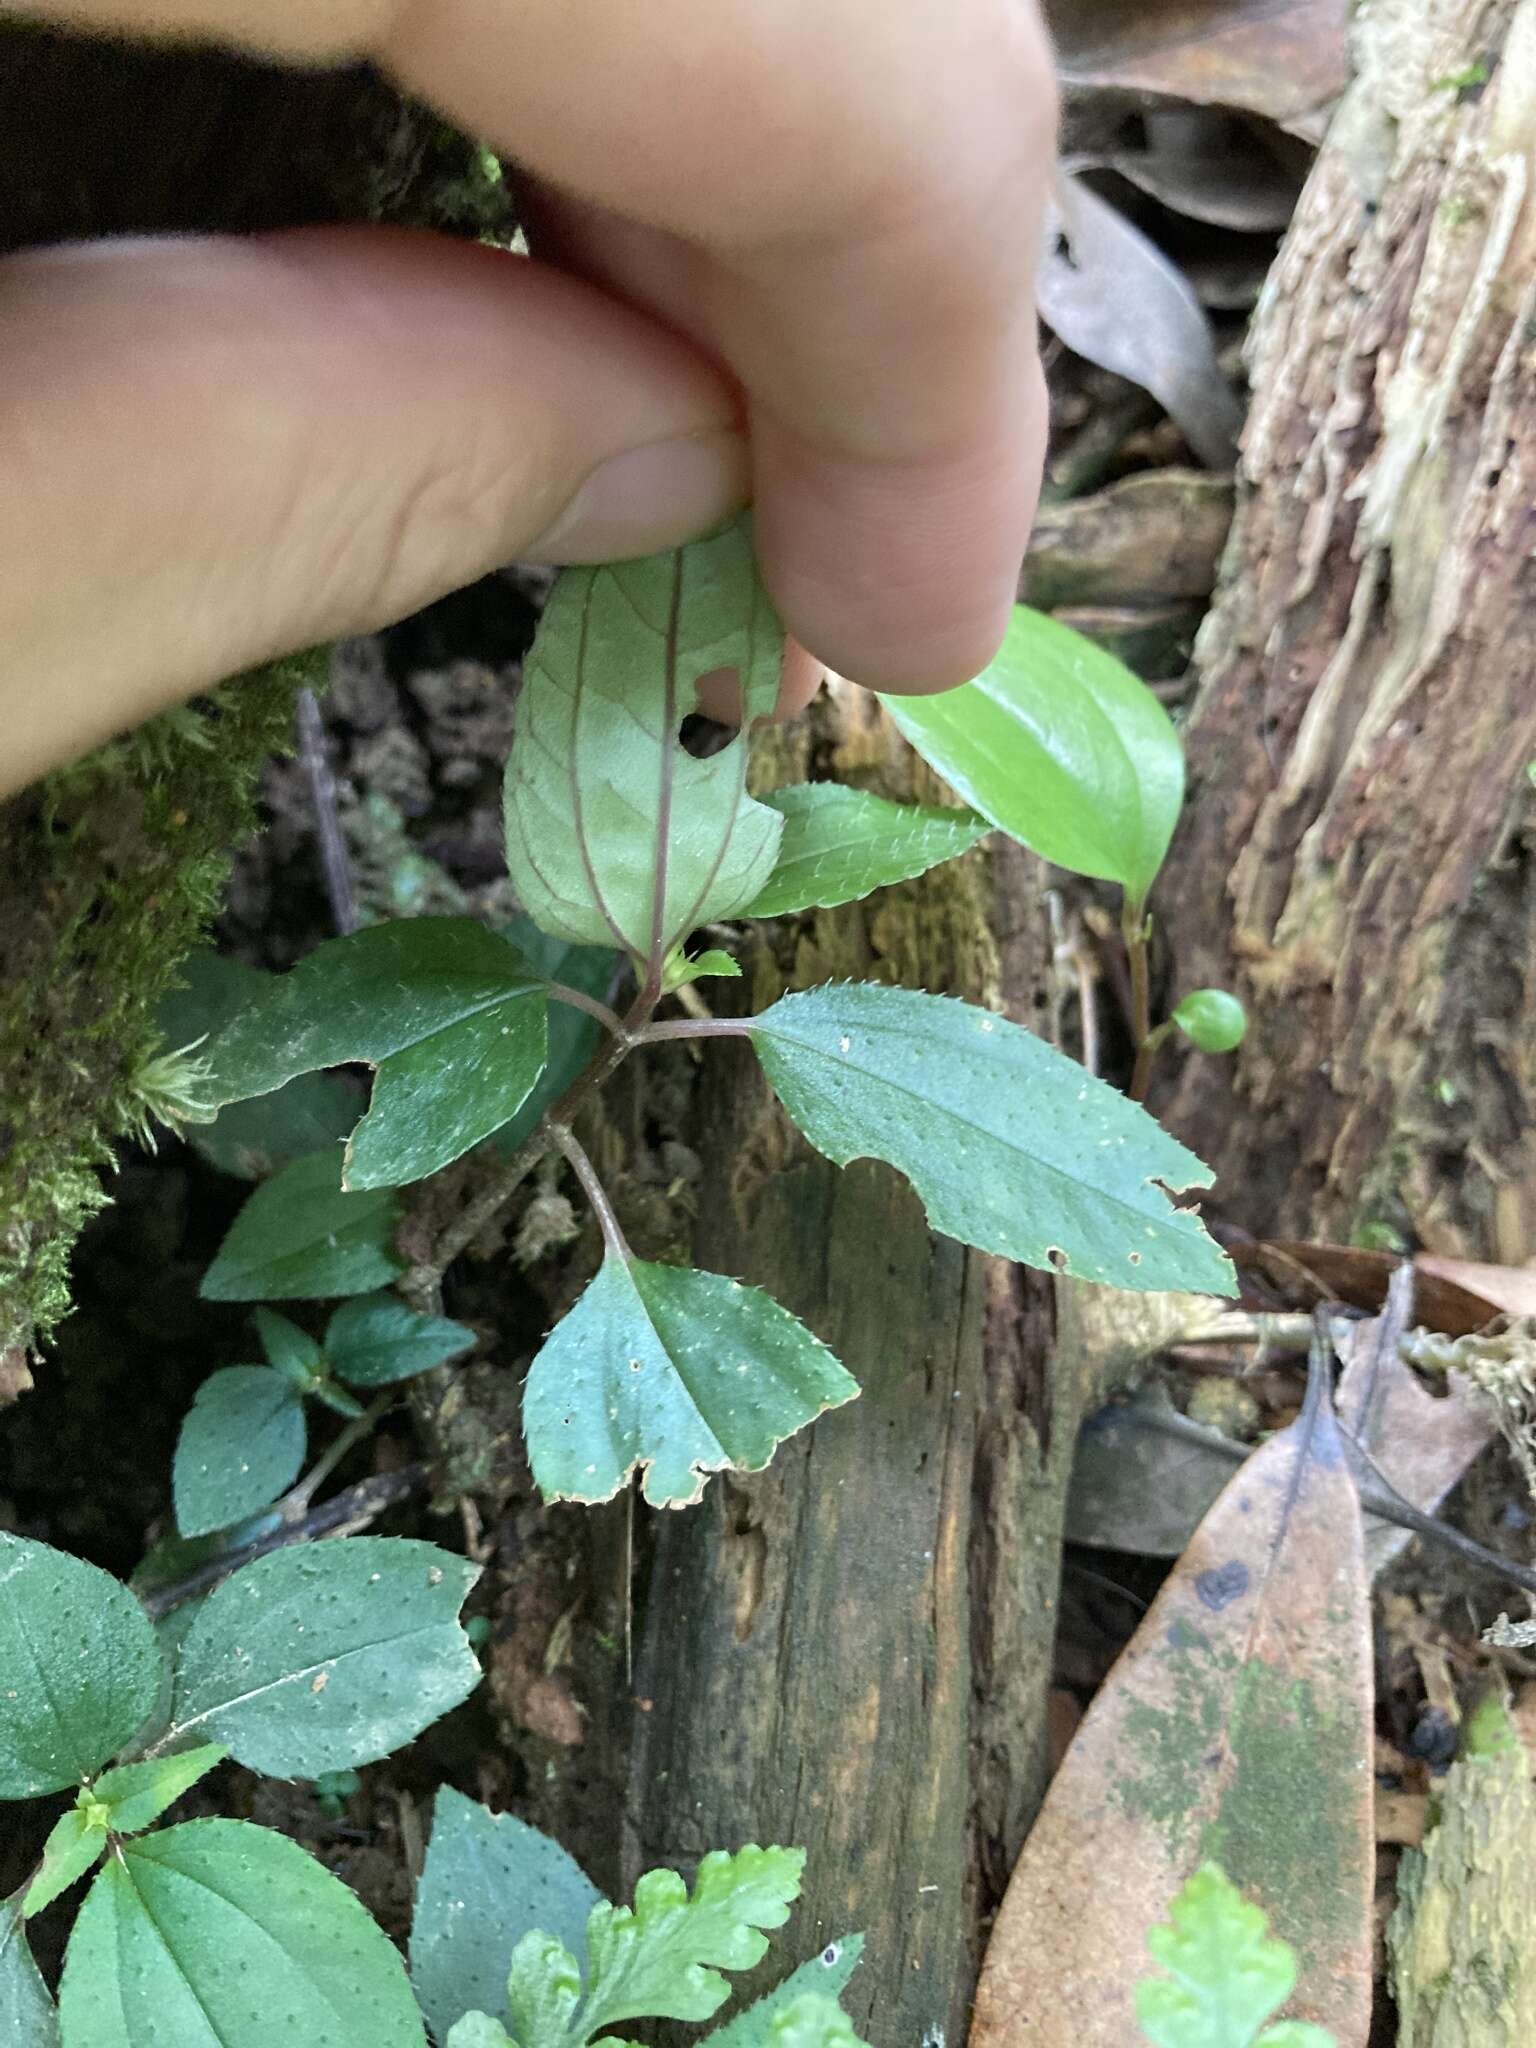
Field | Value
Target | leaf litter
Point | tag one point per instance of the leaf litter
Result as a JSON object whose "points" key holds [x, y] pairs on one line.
{"points": [[1235, 1728]]}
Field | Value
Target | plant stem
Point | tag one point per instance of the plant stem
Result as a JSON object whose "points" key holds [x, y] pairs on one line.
{"points": [[346, 1440], [353, 1508], [694, 1027], [627, 1032], [1133, 929], [580, 1000], [595, 1192]]}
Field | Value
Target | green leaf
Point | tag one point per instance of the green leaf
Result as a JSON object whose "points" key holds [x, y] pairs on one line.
{"points": [[661, 1959], [27, 2016], [326, 1655], [1226, 1974], [839, 844], [76, 1843], [813, 2021], [616, 835], [1061, 747], [241, 1445], [479, 2030], [1212, 1019], [79, 1670], [377, 1340], [450, 1015], [1012, 1146], [251, 1139], [488, 1880], [137, 1794], [680, 968], [574, 1035], [299, 1237], [673, 1371], [824, 1978], [290, 1350], [217, 1934], [544, 1989]]}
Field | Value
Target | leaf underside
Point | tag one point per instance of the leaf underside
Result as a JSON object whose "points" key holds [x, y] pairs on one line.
{"points": [[839, 844], [615, 835]]}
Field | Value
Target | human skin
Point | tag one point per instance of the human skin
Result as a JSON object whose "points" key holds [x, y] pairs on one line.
{"points": [[784, 250]]}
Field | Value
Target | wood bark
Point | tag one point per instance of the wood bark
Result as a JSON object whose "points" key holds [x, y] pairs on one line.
{"points": [[1357, 856], [851, 1651]]}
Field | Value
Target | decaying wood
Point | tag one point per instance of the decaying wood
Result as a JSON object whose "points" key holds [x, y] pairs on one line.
{"points": [[1357, 857], [851, 1651]]}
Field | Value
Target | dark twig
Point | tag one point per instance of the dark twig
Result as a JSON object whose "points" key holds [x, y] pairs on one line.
{"points": [[334, 862], [345, 1512], [1133, 926], [1378, 1496]]}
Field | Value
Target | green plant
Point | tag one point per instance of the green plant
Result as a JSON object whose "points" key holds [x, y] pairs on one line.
{"points": [[512, 1945], [312, 1660], [243, 1440], [1057, 744], [622, 845], [1226, 1975]]}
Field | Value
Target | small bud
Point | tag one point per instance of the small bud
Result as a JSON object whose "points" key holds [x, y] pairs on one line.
{"points": [[1212, 1020]]}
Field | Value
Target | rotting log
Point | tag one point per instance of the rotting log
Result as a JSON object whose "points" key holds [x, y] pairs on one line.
{"points": [[1357, 857], [851, 1651]]}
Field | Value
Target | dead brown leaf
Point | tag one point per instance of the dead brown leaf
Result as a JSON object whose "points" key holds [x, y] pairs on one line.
{"points": [[1236, 1726], [1510, 1289], [1284, 1272], [1284, 59], [1419, 1443]]}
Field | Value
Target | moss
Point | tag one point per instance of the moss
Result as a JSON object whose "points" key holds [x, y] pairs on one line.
{"points": [[111, 871]]}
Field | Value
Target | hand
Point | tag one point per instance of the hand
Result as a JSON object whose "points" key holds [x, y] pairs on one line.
{"points": [[795, 243]]}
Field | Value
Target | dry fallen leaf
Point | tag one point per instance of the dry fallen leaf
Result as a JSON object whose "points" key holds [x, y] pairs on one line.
{"points": [[1093, 266], [1419, 1443], [1236, 1727], [1284, 1272], [1285, 59], [1511, 1290]]}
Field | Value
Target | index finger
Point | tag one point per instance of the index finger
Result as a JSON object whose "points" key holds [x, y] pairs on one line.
{"points": [[844, 204]]}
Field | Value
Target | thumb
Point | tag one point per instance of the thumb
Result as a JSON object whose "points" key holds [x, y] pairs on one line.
{"points": [[217, 452]]}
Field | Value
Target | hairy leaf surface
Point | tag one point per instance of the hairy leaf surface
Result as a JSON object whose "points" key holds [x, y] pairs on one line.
{"points": [[300, 1236], [615, 835], [326, 1656], [218, 1934], [79, 1670], [27, 2015], [450, 1016], [840, 843], [675, 1372], [489, 1879], [1012, 1146], [137, 1794], [76, 1843], [241, 1444], [1061, 747]]}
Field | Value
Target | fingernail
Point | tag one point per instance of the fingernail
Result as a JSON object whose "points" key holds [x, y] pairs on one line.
{"points": [[648, 499]]}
